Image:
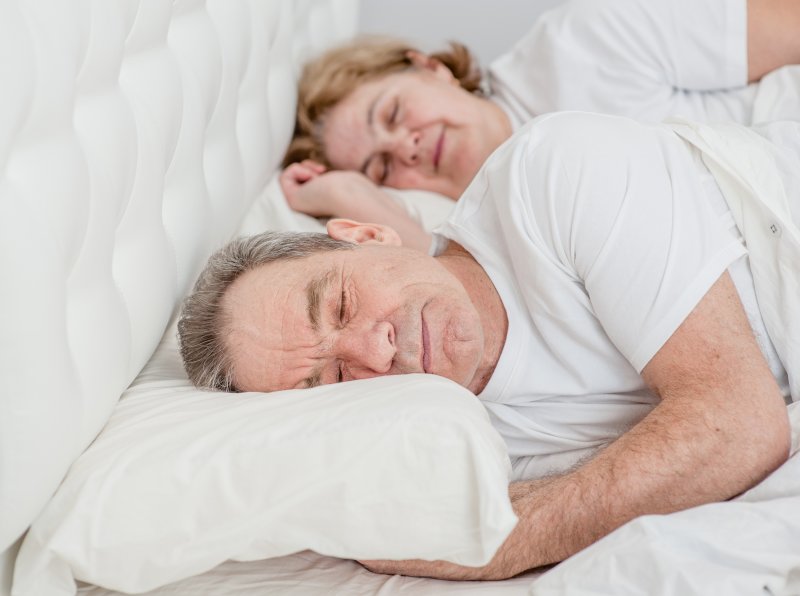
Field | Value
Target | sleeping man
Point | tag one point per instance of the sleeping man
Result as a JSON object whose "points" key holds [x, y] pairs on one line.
{"points": [[592, 286]]}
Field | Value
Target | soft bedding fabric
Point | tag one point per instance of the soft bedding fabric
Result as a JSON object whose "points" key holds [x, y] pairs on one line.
{"points": [[310, 574], [743, 547], [181, 480], [650, 59], [757, 170], [736, 549], [134, 135]]}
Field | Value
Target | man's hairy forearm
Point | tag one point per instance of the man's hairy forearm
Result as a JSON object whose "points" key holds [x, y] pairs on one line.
{"points": [[676, 458], [720, 428]]}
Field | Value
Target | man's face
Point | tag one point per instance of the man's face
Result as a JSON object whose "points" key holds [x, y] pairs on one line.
{"points": [[352, 314]]}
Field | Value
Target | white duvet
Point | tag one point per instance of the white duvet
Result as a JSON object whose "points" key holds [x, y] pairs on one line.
{"points": [[749, 545]]}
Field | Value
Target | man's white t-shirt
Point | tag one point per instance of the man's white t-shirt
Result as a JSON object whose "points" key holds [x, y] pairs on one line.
{"points": [[601, 235], [645, 59]]}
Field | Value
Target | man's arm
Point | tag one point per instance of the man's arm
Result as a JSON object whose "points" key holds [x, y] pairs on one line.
{"points": [[773, 35], [720, 428]]}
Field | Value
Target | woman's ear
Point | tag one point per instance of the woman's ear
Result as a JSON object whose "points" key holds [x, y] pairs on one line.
{"points": [[435, 66], [361, 233]]}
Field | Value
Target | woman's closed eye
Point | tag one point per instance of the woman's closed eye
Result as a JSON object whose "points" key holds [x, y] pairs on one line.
{"points": [[379, 168], [385, 168], [394, 113]]}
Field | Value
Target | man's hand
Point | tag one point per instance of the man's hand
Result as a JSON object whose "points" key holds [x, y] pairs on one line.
{"points": [[435, 569], [507, 561]]}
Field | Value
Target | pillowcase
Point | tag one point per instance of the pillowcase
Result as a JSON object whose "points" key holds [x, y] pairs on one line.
{"points": [[181, 480], [271, 211]]}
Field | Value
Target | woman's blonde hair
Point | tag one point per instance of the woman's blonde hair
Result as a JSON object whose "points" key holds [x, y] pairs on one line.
{"points": [[328, 79]]}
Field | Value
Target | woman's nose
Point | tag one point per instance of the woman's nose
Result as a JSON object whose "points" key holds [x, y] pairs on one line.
{"points": [[405, 146], [368, 352]]}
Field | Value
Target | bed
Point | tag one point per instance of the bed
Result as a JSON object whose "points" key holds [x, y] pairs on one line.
{"points": [[135, 138]]}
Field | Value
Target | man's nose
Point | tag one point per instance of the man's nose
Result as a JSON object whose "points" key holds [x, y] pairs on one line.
{"points": [[368, 352]]}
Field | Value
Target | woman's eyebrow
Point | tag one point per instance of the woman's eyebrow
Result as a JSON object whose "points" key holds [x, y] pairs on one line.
{"points": [[371, 110]]}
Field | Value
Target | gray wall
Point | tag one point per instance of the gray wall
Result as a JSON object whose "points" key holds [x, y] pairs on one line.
{"points": [[488, 27]]}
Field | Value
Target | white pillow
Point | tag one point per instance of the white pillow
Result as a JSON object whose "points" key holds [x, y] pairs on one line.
{"points": [[181, 480], [271, 211], [430, 209]]}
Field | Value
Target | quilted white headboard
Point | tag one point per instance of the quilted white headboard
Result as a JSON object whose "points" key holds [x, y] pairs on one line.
{"points": [[133, 136]]}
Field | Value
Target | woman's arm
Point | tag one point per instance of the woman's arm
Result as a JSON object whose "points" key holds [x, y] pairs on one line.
{"points": [[310, 189], [773, 35]]}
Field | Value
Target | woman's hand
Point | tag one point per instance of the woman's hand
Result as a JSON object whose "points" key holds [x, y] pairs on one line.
{"points": [[309, 187], [302, 193], [312, 189]]}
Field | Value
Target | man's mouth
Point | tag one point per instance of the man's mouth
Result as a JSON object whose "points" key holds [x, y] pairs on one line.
{"points": [[426, 348]]}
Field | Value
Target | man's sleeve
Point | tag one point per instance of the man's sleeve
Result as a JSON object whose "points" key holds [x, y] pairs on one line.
{"points": [[631, 217]]}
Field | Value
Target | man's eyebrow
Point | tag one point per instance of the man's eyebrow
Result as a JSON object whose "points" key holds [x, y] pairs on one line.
{"points": [[314, 379], [315, 296]]}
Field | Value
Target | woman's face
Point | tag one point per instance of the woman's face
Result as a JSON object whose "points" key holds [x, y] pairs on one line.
{"points": [[414, 129]]}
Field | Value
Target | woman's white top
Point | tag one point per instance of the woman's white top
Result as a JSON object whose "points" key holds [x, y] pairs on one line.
{"points": [[645, 59]]}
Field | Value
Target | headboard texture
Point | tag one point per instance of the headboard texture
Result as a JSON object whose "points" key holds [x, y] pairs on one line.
{"points": [[133, 137]]}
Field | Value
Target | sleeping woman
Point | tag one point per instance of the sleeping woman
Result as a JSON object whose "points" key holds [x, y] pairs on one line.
{"points": [[378, 112]]}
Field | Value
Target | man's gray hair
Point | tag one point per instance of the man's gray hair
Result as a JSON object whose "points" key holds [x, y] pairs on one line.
{"points": [[203, 327]]}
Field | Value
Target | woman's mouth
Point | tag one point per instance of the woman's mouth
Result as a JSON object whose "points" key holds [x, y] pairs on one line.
{"points": [[437, 152]]}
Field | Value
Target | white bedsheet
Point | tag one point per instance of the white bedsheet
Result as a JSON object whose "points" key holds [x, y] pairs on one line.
{"points": [[310, 574]]}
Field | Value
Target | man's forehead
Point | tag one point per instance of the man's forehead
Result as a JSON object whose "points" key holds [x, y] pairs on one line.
{"points": [[262, 366], [276, 310]]}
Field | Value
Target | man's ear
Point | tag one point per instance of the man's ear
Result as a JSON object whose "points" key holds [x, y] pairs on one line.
{"points": [[361, 233], [425, 62]]}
